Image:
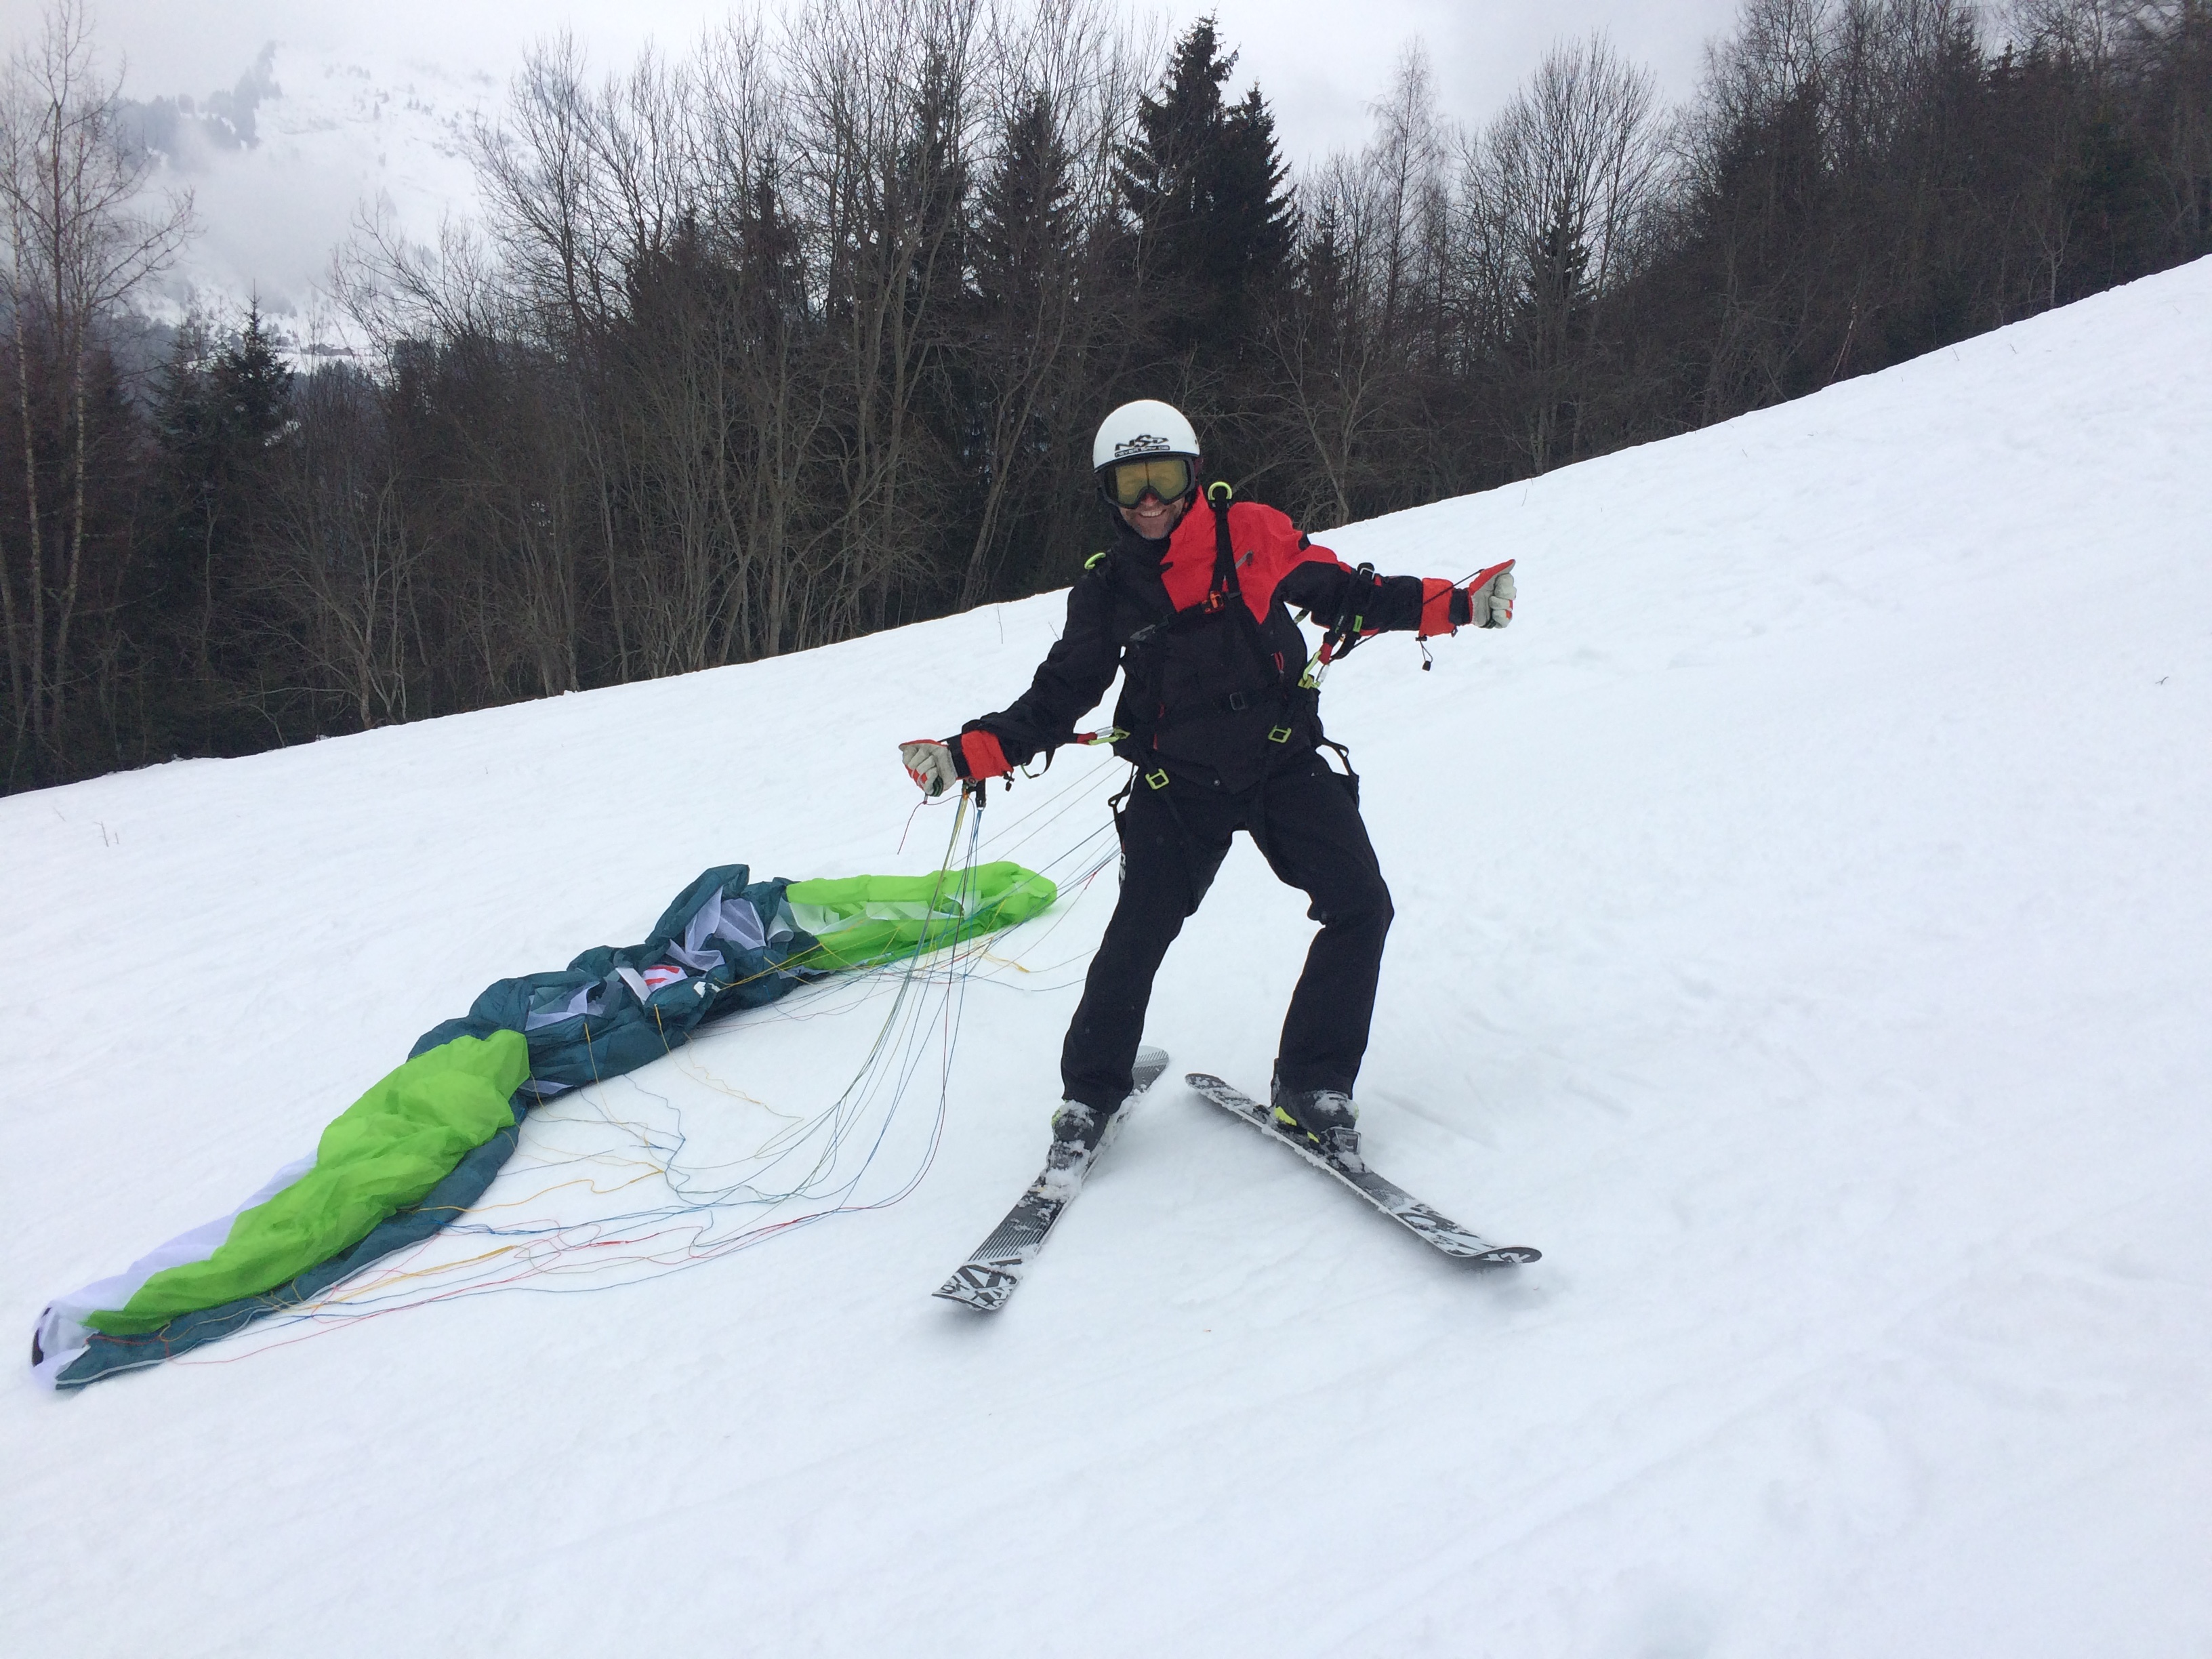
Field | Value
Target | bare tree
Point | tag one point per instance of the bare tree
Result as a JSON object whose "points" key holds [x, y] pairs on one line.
{"points": [[341, 556], [885, 116], [79, 240], [1556, 189], [538, 173], [1407, 164], [1329, 345], [1059, 89], [1367, 320]]}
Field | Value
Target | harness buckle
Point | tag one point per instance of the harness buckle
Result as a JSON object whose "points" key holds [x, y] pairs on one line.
{"points": [[1158, 777], [1280, 734]]}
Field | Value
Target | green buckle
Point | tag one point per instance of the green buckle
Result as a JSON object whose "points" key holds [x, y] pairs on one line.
{"points": [[1310, 680], [1158, 777], [1280, 734]]}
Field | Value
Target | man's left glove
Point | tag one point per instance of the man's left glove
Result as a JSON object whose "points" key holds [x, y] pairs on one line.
{"points": [[1487, 600], [936, 767]]}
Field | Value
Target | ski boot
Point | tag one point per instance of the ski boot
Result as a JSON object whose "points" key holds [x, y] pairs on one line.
{"points": [[1078, 1131], [1325, 1117]]}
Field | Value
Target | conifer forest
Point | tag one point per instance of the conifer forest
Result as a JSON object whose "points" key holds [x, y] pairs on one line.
{"points": [[803, 333]]}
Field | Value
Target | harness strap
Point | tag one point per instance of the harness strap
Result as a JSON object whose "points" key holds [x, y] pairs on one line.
{"points": [[1225, 586]]}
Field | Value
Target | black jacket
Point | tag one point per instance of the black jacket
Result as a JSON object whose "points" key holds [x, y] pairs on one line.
{"points": [[1214, 663]]}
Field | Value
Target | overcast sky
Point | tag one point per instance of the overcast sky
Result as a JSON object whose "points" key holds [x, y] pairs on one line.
{"points": [[372, 95], [1320, 62]]}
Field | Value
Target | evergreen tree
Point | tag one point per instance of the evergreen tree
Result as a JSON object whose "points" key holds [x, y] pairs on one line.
{"points": [[217, 415], [1025, 222], [1550, 325], [1203, 186], [1253, 225], [254, 387], [1029, 312]]}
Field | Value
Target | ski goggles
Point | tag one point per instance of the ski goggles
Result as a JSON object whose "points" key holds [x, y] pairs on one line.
{"points": [[1126, 483]]}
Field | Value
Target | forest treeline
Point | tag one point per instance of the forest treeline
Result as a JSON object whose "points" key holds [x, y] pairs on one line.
{"points": [[803, 333]]}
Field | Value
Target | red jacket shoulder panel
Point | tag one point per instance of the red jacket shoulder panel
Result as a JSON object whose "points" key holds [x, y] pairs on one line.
{"points": [[1268, 548], [1267, 545]]}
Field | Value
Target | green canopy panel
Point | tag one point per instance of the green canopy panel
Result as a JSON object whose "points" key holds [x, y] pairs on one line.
{"points": [[379, 1155], [860, 920], [418, 1148]]}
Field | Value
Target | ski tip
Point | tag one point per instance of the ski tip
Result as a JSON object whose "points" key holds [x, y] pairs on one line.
{"points": [[984, 1289], [974, 1304], [969, 1300], [1509, 1255]]}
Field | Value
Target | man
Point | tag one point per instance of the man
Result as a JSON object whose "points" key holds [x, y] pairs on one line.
{"points": [[1219, 713]]}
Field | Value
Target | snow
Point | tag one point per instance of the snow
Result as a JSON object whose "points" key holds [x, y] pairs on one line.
{"points": [[1801, 937], [286, 169]]}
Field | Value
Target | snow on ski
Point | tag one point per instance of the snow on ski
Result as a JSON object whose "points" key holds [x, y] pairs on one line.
{"points": [[1402, 1206], [995, 1268]]}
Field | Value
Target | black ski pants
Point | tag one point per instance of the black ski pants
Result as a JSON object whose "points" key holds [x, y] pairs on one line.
{"points": [[1306, 823]]}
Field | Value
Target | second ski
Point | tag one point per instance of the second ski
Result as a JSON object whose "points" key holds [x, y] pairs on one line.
{"points": [[1432, 1229]]}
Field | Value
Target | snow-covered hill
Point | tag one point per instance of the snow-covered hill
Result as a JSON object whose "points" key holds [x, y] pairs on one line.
{"points": [[1803, 936]]}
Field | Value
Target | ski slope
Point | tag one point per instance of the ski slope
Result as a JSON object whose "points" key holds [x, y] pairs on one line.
{"points": [[1804, 937]]}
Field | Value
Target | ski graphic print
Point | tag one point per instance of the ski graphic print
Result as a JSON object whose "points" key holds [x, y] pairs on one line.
{"points": [[1432, 1229], [995, 1268]]}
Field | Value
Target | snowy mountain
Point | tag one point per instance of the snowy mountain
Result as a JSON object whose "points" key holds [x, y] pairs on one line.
{"points": [[282, 165], [1802, 936]]}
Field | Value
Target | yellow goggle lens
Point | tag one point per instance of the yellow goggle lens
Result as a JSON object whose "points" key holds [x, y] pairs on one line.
{"points": [[1167, 477]]}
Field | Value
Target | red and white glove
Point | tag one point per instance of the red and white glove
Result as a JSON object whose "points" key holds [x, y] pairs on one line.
{"points": [[937, 766], [929, 763], [1487, 600]]}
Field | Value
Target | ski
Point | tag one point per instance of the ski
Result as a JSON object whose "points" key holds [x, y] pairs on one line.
{"points": [[995, 1268], [1418, 1218]]}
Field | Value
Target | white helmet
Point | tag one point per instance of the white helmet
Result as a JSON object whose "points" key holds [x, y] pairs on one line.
{"points": [[1147, 427]]}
